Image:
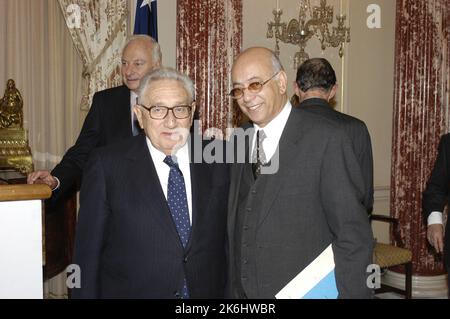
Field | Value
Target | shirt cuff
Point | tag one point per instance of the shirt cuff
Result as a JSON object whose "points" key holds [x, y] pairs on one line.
{"points": [[435, 218], [57, 184]]}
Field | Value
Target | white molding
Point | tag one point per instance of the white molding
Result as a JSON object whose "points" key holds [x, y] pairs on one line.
{"points": [[422, 286], [382, 193]]}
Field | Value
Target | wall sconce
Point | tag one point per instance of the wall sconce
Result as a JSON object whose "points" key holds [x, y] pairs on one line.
{"points": [[298, 32]]}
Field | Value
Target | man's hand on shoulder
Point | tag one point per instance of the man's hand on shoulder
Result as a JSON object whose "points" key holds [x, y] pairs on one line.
{"points": [[43, 177]]}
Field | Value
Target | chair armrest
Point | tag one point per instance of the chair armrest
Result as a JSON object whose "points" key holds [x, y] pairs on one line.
{"points": [[394, 222], [383, 218]]}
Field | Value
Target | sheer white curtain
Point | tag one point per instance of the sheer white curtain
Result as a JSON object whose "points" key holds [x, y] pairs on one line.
{"points": [[36, 50]]}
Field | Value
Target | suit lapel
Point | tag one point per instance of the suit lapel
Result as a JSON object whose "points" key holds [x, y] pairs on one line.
{"points": [[200, 182], [237, 171], [143, 172], [200, 185], [124, 111], [287, 148]]}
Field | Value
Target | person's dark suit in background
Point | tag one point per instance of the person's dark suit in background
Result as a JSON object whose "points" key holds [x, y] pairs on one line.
{"points": [[278, 223], [129, 240], [109, 119], [315, 85], [435, 198]]}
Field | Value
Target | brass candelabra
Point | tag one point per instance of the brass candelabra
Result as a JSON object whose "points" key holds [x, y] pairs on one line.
{"points": [[298, 32]]}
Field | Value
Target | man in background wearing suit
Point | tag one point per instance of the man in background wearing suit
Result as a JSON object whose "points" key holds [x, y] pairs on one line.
{"points": [[315, 86], [152, 222], [110, 116], [279, 223], [435, 198]]}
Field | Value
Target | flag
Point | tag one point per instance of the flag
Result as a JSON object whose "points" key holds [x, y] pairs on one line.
{"points": [[146, 21]]}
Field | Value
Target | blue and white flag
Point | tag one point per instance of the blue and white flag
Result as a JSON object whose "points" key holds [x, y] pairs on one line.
{"points": [[146, 21]]}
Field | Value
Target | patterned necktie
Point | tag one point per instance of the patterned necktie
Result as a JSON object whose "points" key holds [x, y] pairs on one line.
{"points": [[178, 206], [258, 156]]}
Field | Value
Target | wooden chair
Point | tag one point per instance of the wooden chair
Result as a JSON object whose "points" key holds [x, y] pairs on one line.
{"points": [[387, 256]]}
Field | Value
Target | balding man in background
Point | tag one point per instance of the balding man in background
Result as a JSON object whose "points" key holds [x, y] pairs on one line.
{"points": [[110, 117], [315, 86]]}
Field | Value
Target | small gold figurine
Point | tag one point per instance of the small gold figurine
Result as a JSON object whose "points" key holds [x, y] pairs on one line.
{"points": [[15, 152], [11, 107]]}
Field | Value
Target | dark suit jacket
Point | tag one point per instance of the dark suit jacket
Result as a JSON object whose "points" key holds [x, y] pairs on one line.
{"points": [[314, 199], [437, 191], [127, 244], [359, 136], [108, 121]]}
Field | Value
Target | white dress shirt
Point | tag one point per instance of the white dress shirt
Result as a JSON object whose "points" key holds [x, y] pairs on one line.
{"points": [[162, 169], [435, 218], [273, 131]]}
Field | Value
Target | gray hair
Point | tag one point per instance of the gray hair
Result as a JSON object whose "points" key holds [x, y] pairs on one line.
{"points": [[166, 73], [156, 49], [276, 63]]}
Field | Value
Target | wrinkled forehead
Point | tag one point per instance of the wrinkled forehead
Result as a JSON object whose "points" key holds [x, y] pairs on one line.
{"points": [[166, 91]]}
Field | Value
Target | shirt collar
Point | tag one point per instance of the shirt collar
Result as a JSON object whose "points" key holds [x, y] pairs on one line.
{"points": [[182, 154], [275, 127]]}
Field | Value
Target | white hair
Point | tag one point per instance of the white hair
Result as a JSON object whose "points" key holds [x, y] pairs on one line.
{"points": [[276, 63], [156, 49], [165, 73]]}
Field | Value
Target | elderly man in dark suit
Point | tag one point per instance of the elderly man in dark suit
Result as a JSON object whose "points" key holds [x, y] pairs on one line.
{"points": [[280, 219], [435, 198], [152, 221], [315, 86], [110, 117]]}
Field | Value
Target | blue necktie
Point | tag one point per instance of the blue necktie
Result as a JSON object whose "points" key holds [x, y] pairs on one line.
{"points": [[178, 206]]}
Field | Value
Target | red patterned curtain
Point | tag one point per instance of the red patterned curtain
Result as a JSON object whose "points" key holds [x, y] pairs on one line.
{"points": [[209, 36], [421, 108]]}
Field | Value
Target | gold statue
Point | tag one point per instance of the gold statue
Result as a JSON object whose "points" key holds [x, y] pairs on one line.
{"points": [[11, 107], [14, 150]]}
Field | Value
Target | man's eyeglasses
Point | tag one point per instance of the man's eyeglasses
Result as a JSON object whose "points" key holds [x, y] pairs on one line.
{"points": [[254, 87], [159, 112]]}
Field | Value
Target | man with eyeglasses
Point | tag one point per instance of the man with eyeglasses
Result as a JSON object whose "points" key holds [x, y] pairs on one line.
{"points": [[280, 220], [152, 221]]}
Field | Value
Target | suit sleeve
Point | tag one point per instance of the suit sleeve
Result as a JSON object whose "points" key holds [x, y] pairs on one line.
{"points": [[342, 188], [92, 218], [365, 158], [70, 169], [436, 192]]}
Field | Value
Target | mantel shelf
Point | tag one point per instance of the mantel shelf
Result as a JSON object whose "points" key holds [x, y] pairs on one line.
{"points": [[24, 192]]}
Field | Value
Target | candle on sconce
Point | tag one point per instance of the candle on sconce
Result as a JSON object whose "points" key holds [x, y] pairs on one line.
{"points": [[278, 5]]}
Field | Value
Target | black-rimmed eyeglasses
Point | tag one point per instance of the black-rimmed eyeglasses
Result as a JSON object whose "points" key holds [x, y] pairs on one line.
{"points": [[254, 87], [159, 112]]}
